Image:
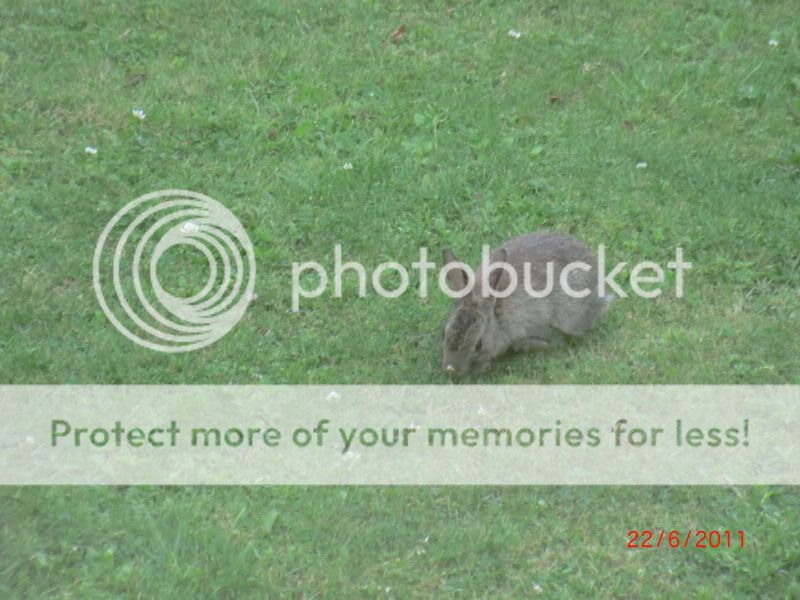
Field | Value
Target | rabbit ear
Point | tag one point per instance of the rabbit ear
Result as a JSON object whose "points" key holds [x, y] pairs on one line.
{"points": [[456, 277], [497, 273]]}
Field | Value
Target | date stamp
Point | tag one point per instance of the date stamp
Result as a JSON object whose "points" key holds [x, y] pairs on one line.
{"points": [[700, 539]]}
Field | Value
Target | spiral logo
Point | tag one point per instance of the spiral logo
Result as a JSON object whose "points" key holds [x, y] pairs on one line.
{"points": [[142, 232]]}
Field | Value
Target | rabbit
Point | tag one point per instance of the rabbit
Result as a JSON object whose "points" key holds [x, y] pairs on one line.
{"points": [[479, 328]]}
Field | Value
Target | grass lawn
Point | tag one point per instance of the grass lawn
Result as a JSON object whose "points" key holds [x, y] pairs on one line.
{"points": [[643, 126]]}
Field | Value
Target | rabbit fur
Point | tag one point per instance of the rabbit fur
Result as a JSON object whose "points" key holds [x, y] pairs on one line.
{"points": [[481, 328]]}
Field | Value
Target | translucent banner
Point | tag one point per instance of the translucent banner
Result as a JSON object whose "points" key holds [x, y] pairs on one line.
{"points": [[399, 435]]}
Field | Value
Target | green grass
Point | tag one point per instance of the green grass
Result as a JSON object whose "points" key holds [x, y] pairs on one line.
{"points": [[459, 134], [357, 542]]}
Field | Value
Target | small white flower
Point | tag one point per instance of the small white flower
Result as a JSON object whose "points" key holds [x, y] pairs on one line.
{"points": [[90, 150], [773, 43], [334, 395], [514, 33], [347, 166], [190, 227], [139, 113], [641, 165], [537, 588]]}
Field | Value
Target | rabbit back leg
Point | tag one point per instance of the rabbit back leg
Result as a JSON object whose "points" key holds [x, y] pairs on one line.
{"points": [[530, 343], [552, 339], [579, 319]]}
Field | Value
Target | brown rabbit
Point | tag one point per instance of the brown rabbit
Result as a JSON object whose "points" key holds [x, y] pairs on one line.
{"points": [[481, 327]]}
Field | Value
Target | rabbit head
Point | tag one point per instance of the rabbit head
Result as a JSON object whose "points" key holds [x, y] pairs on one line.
{"points": [[467, 335]]}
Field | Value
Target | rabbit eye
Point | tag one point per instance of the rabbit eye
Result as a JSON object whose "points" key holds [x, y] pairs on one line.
{"points": [[479, 346]]}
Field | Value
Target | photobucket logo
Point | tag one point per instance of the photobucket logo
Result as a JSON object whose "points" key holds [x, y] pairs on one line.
{"points": [[143, 230], [643, 273]]}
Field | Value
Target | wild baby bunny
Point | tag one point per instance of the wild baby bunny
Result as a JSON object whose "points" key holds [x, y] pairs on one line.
{"points": [[547, 289]]}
